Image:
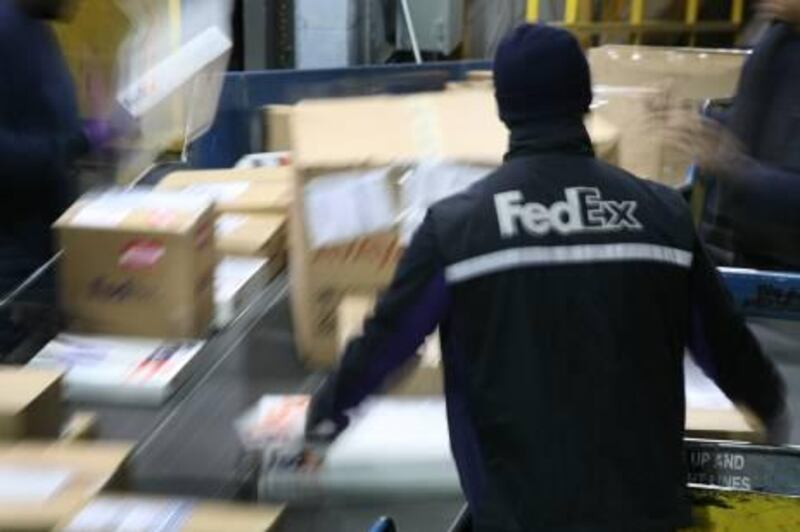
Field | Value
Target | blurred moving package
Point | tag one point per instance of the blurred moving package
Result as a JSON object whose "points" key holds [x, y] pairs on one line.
{"points": [[346, 223], [43, 484], [30, 403], [633, 84], [238, 190], [238, 282], [119, 370], [139, 514], [138, 264]]}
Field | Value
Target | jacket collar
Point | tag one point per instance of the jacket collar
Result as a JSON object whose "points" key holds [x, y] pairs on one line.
{"points": [[566, 136]]}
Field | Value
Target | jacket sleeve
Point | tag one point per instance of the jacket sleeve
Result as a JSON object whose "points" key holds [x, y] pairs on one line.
{"points": [[30, 160], [405, 316], [764, 194], [726, 350]]}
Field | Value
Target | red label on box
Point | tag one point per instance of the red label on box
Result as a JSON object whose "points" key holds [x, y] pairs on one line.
{"points": [[141, 254]]}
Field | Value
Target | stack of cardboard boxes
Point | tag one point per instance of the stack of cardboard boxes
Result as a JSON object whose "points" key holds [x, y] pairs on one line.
{"points": [[384, 137]]}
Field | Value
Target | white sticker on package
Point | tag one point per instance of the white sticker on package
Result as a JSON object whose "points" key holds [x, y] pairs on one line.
{"points": [[27, 485], [218, 191], [131, 516], [228, 223], [430, 182], [346, 206]]}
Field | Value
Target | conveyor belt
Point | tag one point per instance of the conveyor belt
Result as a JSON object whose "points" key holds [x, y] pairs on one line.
{"points": [[188, 446]]}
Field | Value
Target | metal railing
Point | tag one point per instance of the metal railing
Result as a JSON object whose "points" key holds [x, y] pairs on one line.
{"points": [[629, 17]]}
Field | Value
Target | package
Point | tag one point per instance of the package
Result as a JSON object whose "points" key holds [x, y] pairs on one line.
{"points": [[30, 403], [277, 130], [422, 377], [247, 191], [118, 370], [393, 448], [252, 235], [630, 111], [384, 134], [145, 514], [138, 264], [238, 282], [42, 484], [633, 83], [692, 75]]}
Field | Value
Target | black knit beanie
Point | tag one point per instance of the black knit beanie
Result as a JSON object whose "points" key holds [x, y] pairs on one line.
{"points": [[541, 73]]}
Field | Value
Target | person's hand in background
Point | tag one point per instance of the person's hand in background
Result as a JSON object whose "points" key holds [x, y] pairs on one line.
{"points": [[706, 141], [783, 10], [108, 120]]}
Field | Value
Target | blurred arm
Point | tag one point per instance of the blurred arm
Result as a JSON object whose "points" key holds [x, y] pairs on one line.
{"points": [[405, 316], [727, 351]]}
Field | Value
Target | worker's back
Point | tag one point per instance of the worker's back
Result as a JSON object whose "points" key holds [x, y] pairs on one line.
{"points": [[570, 311], [566, 291]]}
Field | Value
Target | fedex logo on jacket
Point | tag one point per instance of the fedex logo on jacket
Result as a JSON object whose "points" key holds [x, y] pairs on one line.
{"points": [[583, 210]]}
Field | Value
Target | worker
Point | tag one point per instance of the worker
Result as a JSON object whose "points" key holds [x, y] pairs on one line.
{"points": [[41, 136], [749, 157], [565, 291]]}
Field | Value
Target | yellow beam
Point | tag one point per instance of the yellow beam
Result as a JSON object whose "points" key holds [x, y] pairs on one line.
{"points": [[532, 14], [571, 12], [737, 11], [692, 10], [637, 12]]}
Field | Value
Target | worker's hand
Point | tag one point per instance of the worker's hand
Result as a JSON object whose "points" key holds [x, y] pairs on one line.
{"points": [[101, 132], [784, 10], [706, 141]]}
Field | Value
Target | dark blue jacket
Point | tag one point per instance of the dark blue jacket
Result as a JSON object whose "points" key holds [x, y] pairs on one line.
{"points": [[40, 138], [752, 213], [565, 291]]}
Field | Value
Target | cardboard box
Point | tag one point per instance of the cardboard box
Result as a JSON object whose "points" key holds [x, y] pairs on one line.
{"points": [[138, 264], [691, 74], [423, 376], [240, 190], [41, 484], [118, 512], [252, 235], [30, 403], [238, 282], [382, 132], [119, 370], [277, 130], [634, 82]]}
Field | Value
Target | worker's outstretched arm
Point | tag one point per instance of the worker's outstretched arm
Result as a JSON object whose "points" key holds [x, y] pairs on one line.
{"points": [[729, 354], [405, 316]]}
